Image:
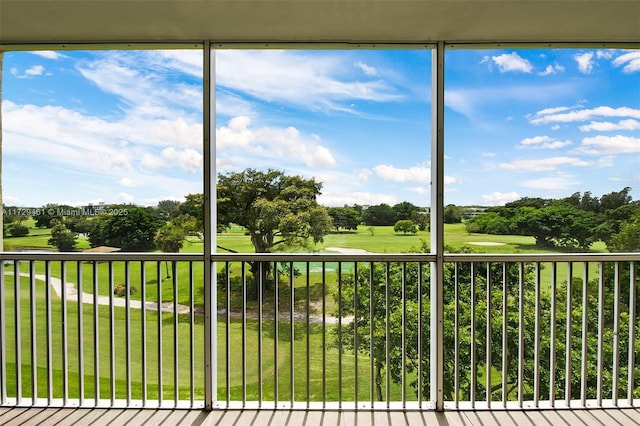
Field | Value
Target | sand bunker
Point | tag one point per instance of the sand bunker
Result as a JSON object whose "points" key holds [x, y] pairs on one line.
{"points": [[346, 250], [486, 243]]}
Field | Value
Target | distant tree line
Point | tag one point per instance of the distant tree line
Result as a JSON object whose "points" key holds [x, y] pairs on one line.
{"points": [[574, 222], [349, 217]]}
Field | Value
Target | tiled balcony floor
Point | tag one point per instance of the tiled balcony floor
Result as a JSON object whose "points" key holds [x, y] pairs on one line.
{"points": [[102, 416]]}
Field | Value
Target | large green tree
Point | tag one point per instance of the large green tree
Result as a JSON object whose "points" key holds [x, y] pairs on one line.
{"points": [[380, 215], [169, 239], [133, 230], [557, 225], [398, 297], [63, 238], [344, 217], [275, 209], [627, 239]]}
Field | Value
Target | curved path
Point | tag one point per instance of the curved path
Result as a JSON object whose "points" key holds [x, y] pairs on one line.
{"points": [[71, 293]]}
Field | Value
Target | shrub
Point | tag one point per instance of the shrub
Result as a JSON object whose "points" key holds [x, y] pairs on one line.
{"points": [[19, 231], [121, 290]]}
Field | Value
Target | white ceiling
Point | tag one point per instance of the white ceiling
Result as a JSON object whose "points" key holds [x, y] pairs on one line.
{"points": [[352, 21]]}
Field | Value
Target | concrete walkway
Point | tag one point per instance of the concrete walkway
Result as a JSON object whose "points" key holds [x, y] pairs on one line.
{"points": [[71, 293]]}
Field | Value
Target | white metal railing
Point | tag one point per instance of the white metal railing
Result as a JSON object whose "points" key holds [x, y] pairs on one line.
{"points": [[319, 331]]}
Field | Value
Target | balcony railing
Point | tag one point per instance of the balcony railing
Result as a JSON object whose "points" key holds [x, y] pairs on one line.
{"points": [[320, 331]]}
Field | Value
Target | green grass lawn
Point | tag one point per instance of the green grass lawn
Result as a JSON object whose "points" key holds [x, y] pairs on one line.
{"points": [[254, 353], [315, 368]]}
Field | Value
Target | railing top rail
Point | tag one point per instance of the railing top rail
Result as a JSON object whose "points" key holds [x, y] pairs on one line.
{"points": [[542, 257], [101, 257], [325, 257]]}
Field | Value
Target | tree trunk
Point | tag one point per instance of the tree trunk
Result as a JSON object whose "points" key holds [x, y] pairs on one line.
{"points": [[379, 380]]}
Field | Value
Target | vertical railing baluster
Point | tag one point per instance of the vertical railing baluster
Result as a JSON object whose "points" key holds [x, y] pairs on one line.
{"points": [[537, 338], [65, 336], [569, 332], [260, 301], [456, 336], [356, 340], [371, 338], [505, 330], [47, 295], [632, 334], [340, 313], [616, 334], [420, 336], [192, 352], [324, 335], [404, 335], [159, 326], [96, 336], [552, 338], [143, 329], [585, 325], [276, 337], [243, 350], [308, 324], [127, 329], [18, 329], [34, 336], [488, 346], [520, 334], [472, 340], [176, 361], [292, 333], [601, 326], [112, 339], [3, 337], [387, 304], [227, 267], [80, 334]]}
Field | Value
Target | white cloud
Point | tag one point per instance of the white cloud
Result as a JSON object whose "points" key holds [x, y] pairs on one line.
{"points": [[142, 81], [288, 144], [150, 161], [364, 175], [339, 199], [500, 198], [609, 145], [552, 69], [542, 142], [560, 183], [550, 115], [368, 70], [630, 62], [585, 62], [125, 181], [544, 164], [412, 174], [317, 82], [124, 198], [35, 70], [48, 54], [606, 126], [512, 62], [488, 154], [604, 54], [189, 159]]}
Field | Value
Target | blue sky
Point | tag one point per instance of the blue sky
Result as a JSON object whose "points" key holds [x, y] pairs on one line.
{"points": [[126, 126]]}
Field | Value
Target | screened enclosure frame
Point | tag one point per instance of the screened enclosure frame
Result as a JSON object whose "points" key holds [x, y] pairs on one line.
{"points": [[437, 144]]}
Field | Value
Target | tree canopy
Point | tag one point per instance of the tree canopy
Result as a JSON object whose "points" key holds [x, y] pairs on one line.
{"points": [[274, 208], [133, 231], [574, 222], [344, 218]]}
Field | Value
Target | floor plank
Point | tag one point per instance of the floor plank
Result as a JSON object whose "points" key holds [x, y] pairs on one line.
{"points": [[148, 417]]}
